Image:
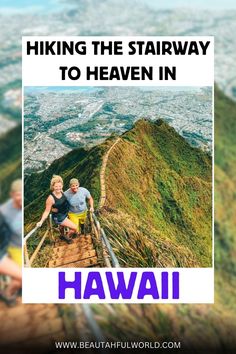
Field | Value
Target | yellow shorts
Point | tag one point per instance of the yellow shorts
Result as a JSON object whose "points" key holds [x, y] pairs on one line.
{"points": [[15, 254], [78, 219]]}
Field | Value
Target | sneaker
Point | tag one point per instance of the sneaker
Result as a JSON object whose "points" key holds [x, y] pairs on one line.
{"points": [[10, 300], [62, 230], [67, 239], [74, 235], [82, 229]]}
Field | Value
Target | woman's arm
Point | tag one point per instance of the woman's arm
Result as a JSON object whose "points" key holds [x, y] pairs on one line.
{"points": [[49, 204]]}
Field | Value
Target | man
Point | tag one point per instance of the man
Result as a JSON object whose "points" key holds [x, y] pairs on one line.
{"points": [[10, 242], [8, 290], [12, 212], [78, 197]]}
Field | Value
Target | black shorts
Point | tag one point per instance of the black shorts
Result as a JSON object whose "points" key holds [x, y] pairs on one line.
{"points": [[58, 219]]}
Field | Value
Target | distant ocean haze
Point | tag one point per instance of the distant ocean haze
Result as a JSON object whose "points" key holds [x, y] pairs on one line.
{"points": [[91, 115]]}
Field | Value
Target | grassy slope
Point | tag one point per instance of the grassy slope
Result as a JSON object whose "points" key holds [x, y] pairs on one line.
{"points": [[159, 189], [201, 328], [225, 197], [10, 160]]}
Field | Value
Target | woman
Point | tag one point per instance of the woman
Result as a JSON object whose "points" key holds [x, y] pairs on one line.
{"points": [[8, 266], [58, 201]]}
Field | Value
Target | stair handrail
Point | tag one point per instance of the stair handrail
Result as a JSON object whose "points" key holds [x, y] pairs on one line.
{"points": [[114, 260], [28, 261], [104, 239]]}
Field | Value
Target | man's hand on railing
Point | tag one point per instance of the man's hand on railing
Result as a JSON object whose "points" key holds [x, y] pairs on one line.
{"points": [[91, 209], [39, 224]]}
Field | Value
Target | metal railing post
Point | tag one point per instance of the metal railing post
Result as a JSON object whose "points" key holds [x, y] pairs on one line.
{"points": [[26, 256], [114, 260], [50, 227], [28, 261]]}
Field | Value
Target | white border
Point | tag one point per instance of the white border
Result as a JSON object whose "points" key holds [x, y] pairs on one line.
{"points": [[33, 271], [50, 75], [196, 285]]}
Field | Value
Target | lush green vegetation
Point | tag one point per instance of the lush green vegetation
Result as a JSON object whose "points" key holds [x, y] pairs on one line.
{"points": [[225, 185], [10, 160], [159, 188]]}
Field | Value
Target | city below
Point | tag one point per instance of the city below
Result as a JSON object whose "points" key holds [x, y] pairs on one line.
{"points": [[58, 120]]}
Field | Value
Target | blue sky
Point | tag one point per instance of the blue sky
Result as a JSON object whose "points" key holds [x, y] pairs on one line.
{"points": [[202, 4], [50, 4], [27, 5]]}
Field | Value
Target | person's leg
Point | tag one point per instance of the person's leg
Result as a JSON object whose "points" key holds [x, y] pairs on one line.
{"points": [[72, 229], [15, 254], [68, 223], [13, 287], [74, 218], [82, 219], [9, 267]]}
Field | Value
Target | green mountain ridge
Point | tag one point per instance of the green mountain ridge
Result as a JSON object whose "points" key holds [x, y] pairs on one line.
{"points": [[225, 184], [10, 160], [159, 197], [176, 184]]}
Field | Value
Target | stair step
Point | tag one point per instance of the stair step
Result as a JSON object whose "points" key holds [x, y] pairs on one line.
{"points": [[58, 253], [28, 318], [77, 243], [78, 239], [71, 246], [78, 257], [41, 328], [89, 262], [20, 309]]}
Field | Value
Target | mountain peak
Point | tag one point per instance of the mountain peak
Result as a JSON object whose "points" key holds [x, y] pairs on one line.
{"points": [[155, 183]]}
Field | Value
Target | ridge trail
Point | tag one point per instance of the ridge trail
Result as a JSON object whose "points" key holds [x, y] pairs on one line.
{"points": [[102, 175]]}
